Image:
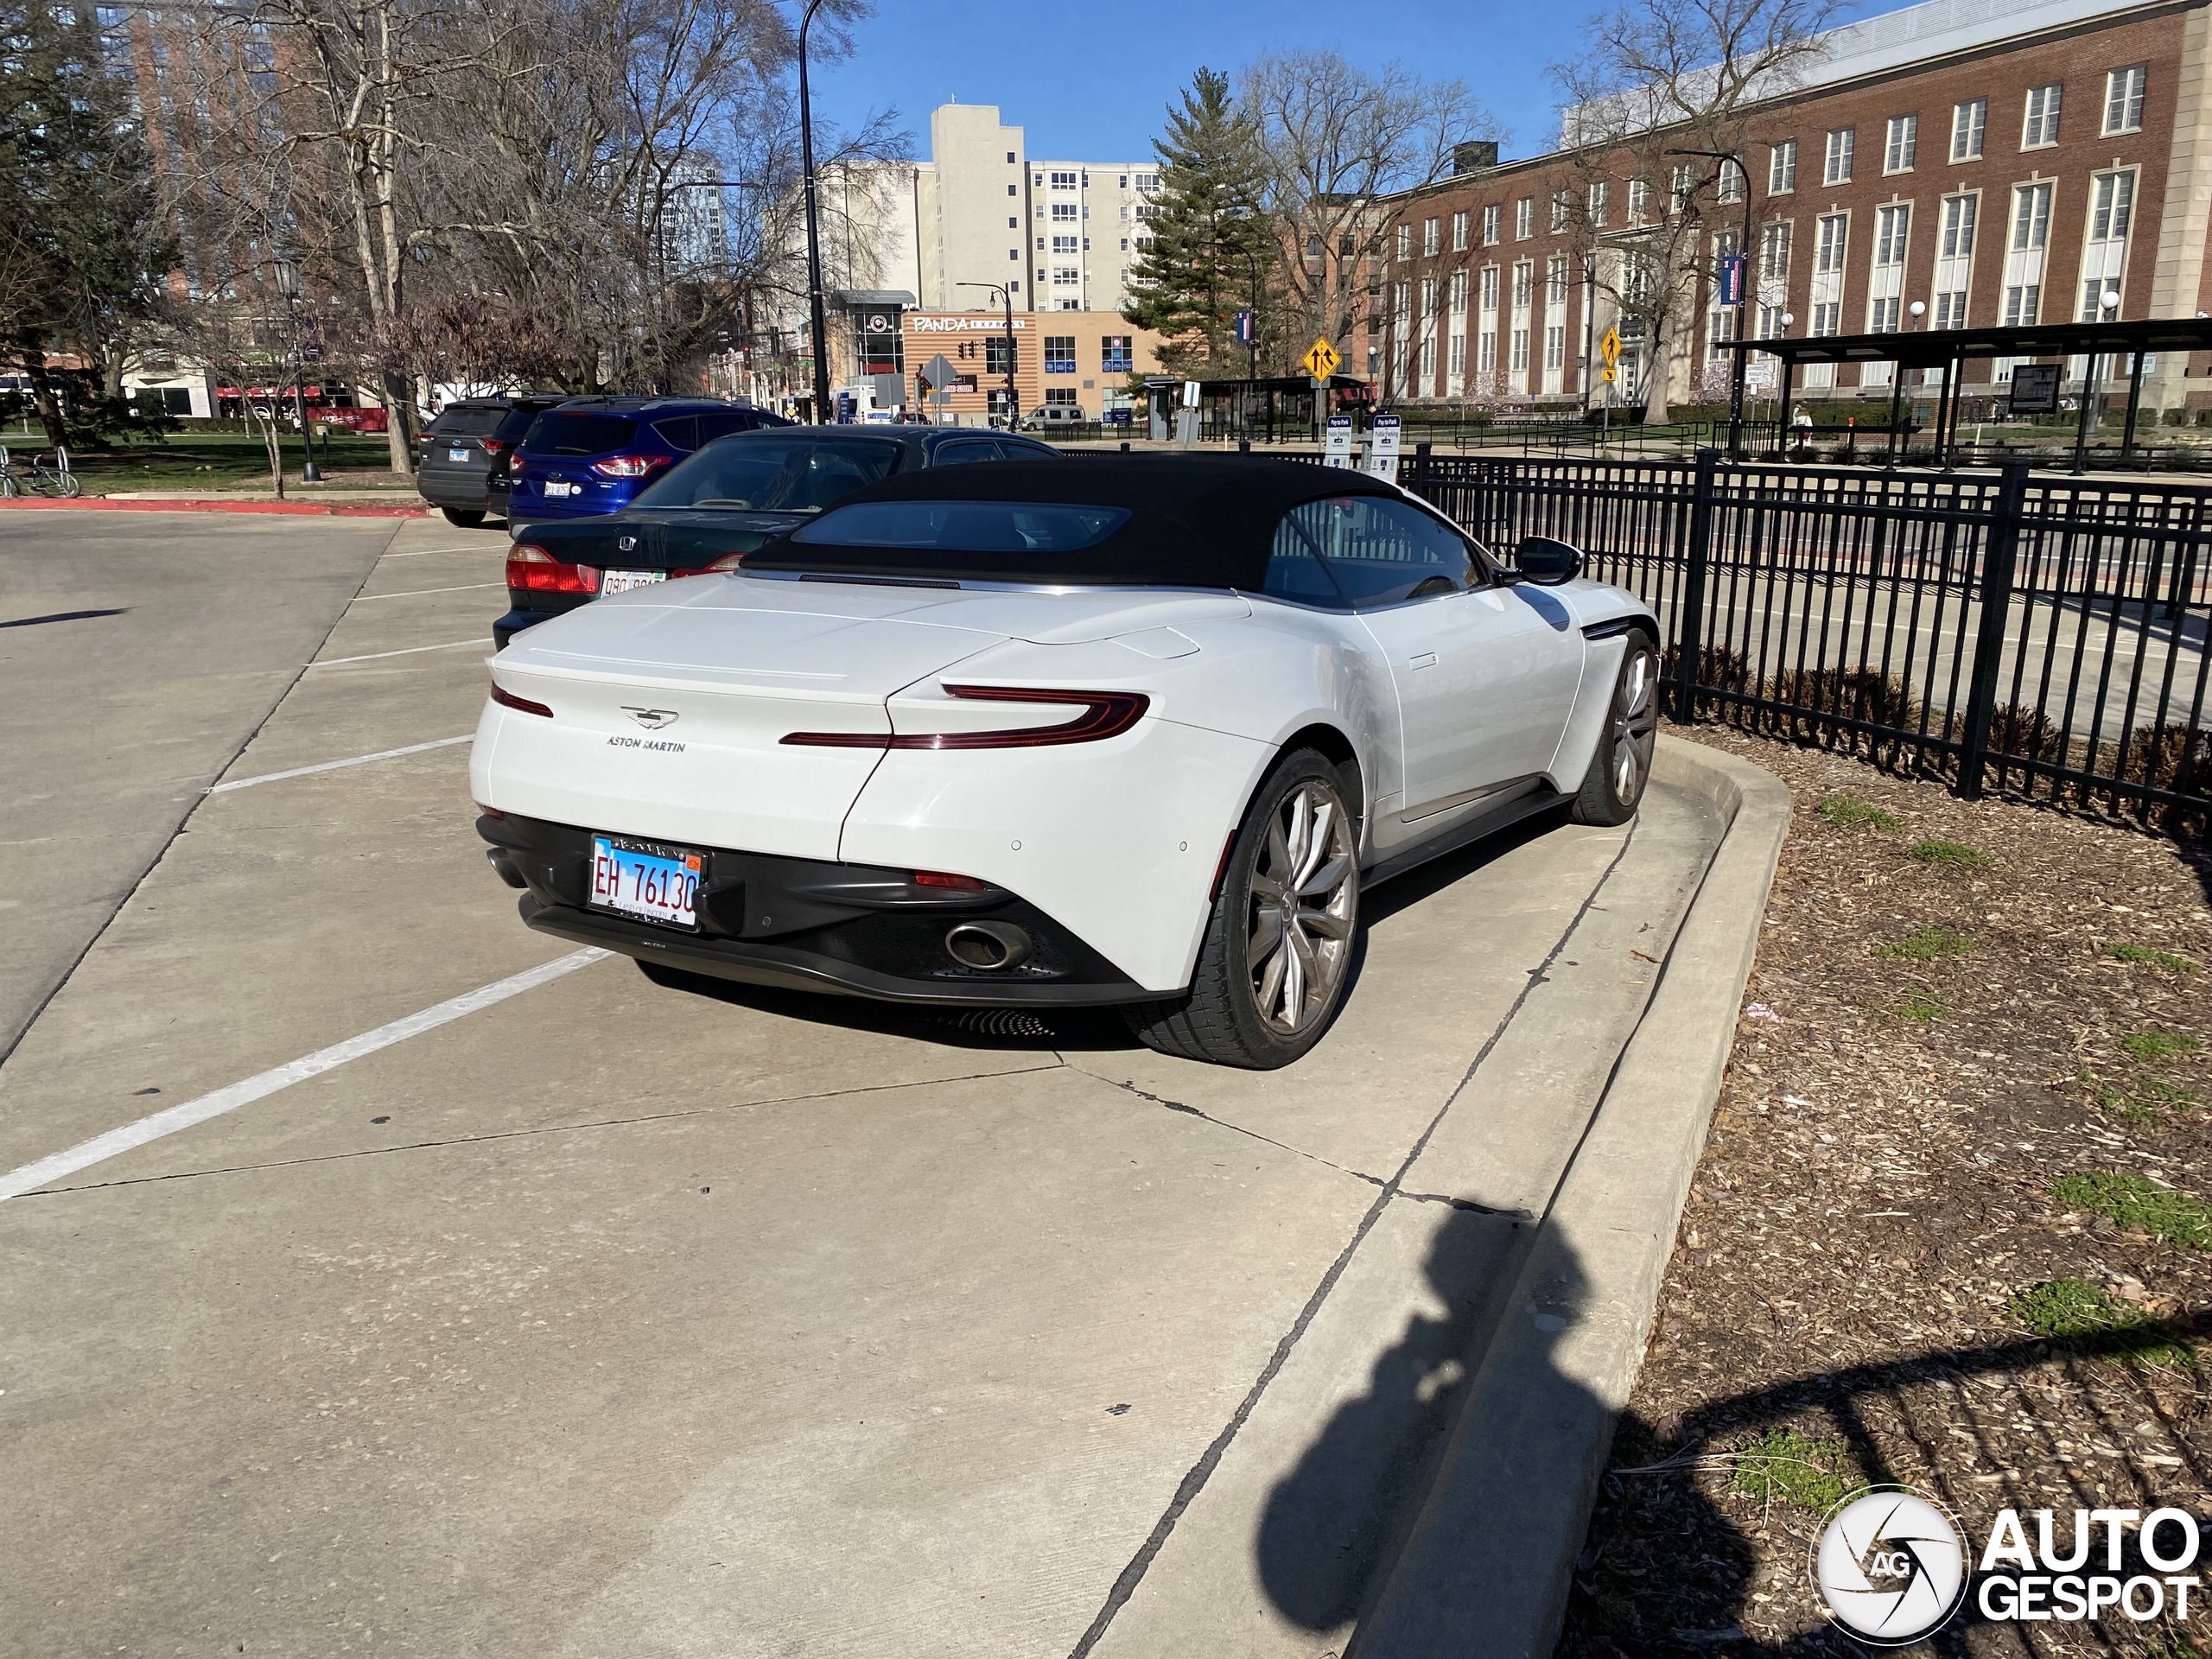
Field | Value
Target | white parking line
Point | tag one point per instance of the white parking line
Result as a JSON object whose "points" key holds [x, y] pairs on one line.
{"points": [[379, 656], [417, 593], [31, 1177], [499, 548], [334, 766]]}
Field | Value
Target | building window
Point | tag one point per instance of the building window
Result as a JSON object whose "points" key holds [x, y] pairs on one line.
{"points": [[1524, 283], [1555, 346], [1059, 353], [1489, 288], [1639, 201], [1122, 182], [1968, 122], [2024, 259], [1520, 361], [2124, 99], [1685, 186], [1524, 219], [1562, 204], [1459, 293], [1455, 361], [1902, 140], [1431, 242], [2041, 126], [1954, 260], [1427, 296], [1400, 303], [1060, 395], [1487, 353], [1728, 183], [1782, 168], [1892, 224], [1062, 211], [1769, 322], [1837, 169], [1601, 197], [1427, 363], [1064, 180], [1009, 158], [1491, 214], [1829, 248], [1555, 280], [2111, 201], [1719, 333], [1885, 286], [1000, 355], [1067, 276], [1062, 244], [2111, 207], [1125, 244], [1460, 231], [1404, 242], [1774, 253], [1147, 182]]}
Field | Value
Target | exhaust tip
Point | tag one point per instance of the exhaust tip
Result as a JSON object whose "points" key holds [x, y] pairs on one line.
{"points": [[503, 863], [987, 946]]}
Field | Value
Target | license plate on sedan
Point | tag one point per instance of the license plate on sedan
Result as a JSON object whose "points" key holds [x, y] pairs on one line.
{"points": [[645, 879], [456, 454], [555, 488], [621, 582]]}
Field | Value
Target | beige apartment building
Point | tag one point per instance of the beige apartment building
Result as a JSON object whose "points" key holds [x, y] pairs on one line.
{"points": [[1961, 161], [1083, 359]]}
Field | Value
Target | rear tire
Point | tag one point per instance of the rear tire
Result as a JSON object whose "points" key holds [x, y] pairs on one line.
{"points": [[465, 517], [1622, 767], [1276, 957]]}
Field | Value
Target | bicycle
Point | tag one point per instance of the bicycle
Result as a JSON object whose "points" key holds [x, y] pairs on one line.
{"points": [[40, 480]]}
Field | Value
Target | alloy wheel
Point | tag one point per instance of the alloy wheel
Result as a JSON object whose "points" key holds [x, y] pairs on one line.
{"points": [[1304, 893], [1636, 724]]}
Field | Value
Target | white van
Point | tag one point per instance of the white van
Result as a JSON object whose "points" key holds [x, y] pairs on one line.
{"points": [[1051, 415]]}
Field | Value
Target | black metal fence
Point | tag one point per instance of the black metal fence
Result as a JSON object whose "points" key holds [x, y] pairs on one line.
{"points": [[2039, 635]]}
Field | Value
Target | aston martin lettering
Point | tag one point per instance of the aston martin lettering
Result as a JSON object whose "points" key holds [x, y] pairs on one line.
{"points": [[618, 742]]}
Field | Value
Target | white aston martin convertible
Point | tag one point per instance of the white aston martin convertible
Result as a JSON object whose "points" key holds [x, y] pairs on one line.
{"points": [[1128, 731]]}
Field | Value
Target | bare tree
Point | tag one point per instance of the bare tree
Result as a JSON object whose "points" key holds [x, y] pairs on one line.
{"points": [[1665, 90], [1333, 138]]}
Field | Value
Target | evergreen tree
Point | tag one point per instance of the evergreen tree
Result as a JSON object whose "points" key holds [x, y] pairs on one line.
{"points": [[1210, 247], [84, 253]]}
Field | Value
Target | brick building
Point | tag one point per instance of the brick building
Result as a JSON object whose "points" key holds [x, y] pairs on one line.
{"points": [[1984, 161]]}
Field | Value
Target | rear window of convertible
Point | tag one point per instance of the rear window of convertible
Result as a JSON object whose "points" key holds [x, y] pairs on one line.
{"points": [[965, 526]]}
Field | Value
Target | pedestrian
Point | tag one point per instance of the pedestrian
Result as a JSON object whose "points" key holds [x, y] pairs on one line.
{"points": [[1800, 426]]}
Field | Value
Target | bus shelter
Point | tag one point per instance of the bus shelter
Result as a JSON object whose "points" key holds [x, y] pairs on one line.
{"points": [[2117, 347]]}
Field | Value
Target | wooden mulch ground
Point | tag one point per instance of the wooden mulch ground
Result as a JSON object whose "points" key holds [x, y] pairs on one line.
{"points": [[1875, 1276]]}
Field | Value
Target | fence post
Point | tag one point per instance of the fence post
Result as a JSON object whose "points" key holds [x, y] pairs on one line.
{"points": [[2000, 555], [1690, 635]]}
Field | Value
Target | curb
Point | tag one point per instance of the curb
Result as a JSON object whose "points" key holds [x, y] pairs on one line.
{"points": [[1485, 1568], [293, 508]]}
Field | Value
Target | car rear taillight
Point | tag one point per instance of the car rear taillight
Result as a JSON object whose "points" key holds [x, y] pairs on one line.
{"points": [[727, 562], [531, 569], [507, 699], [630, 466], [1105, 714], [493, 446]]}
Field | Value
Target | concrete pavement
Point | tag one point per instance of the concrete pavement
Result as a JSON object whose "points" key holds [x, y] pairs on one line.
{"points": [[613, 1317]]}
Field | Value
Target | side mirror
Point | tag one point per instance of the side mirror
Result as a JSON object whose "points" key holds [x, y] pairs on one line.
{"points": [[1546, 563]]}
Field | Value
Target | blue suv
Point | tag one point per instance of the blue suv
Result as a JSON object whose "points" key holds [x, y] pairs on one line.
{"points": [[593, 454]]}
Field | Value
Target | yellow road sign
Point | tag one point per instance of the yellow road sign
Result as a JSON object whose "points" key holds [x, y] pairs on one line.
{"points": [[1610, 348], [1610, 373], [1321, 360]]}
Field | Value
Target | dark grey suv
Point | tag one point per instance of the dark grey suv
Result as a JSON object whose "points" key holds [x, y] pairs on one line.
{"points": [[462, 461]]}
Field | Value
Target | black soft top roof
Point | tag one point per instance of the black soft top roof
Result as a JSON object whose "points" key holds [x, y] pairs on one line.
{"points": [[1195, 521]]}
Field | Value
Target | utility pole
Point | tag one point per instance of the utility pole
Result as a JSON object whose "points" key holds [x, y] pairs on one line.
{"points": [[1012, 393], [813, 230]]}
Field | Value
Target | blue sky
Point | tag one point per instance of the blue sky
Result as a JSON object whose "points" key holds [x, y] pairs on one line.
{"points": [[1090, 82]]}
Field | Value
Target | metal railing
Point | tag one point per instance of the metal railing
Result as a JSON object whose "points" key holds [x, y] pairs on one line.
{"points": [[2041, 635]]}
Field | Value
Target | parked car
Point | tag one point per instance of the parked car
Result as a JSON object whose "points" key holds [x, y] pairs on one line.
{"points": [[462, 456], [593, 456], [1132, 733], [708, 511], [1047, 416]]}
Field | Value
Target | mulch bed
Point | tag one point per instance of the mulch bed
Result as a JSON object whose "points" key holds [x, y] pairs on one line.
{"points": [[1927, 1048]]}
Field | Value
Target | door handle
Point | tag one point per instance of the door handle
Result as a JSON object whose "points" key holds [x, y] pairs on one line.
{"points": [[1422, 659]]}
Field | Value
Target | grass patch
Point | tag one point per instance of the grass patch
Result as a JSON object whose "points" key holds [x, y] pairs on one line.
{"points": [[2152, 956], [1930, 944], [2149, 1046], [1841, 812], [2083, 1316], [1922, 1006], [2133, 1202], [2166, 1094], [1812, 1475], [1955, 853]]}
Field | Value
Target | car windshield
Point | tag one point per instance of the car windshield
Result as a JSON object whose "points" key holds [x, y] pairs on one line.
{"points": [[558, 433], [762, 474], [966, 526]]}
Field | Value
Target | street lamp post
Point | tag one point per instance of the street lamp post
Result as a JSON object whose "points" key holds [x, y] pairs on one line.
{"points": [[288, 284], [1012, 393], [1743, 252], [813, 231]]}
